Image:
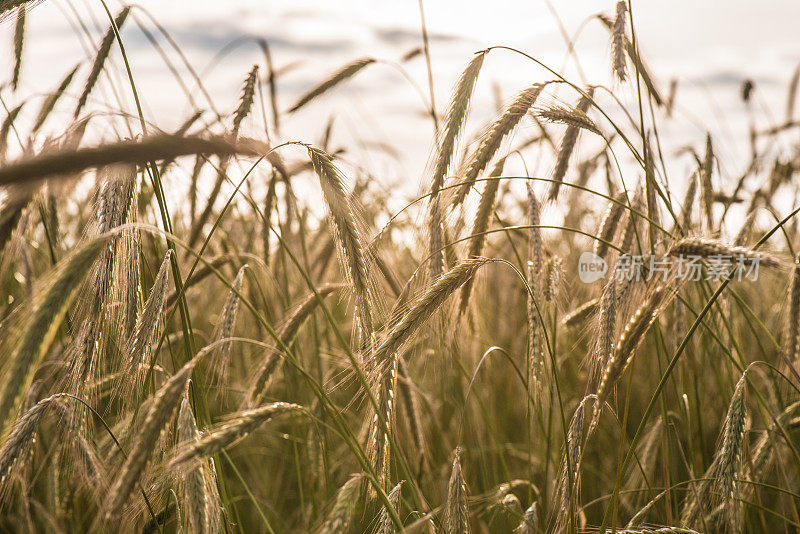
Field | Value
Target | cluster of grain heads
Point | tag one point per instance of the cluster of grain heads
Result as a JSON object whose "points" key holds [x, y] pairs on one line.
{"points": [[455, 519], [384, 375], [454, 120], [201, 500], [345, 233], [344, 507], [490, 143], [103, 52], [159, 413], [40, 324], [346, 72], [286, 334], [633, 54], [630, 339], [568, 142]]}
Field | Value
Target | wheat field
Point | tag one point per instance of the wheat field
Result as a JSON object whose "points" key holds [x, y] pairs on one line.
{"points": [[222, 329]]}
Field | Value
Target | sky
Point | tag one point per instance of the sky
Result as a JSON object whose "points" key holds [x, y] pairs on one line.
{"points": [[709, 47]]}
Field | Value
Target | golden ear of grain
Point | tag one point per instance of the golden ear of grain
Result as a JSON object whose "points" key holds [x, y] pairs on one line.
{"points": [[569, 116], [454, 121], [226, 325], [236, 427], [568, 145], [530, 520], [706, 188], [385, 523], [618, 41], [5, 129], [341, 515], [480, 225], [19, 41], [286, 333], [608, 225], [47, 310], [688, 204], [21, 437], [625, 349], [166, 401], [145, 332], [246, 100], [50, 102], [346, 72], [103, 52], [456, 509], [491, 141], [347, 237], [194, 488]]}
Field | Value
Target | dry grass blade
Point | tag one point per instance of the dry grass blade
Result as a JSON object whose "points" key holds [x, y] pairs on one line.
{"points": [[235, 427], [792, 94], [346, 72], [491, 141], [68, 162], [349, 241], [103, 52], [456, 509]]}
